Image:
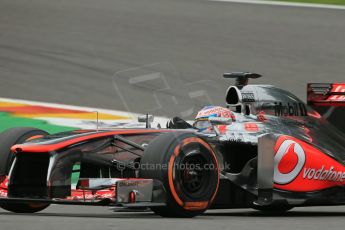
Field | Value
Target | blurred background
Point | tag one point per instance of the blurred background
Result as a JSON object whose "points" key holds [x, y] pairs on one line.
{"points": [[92, 53]]}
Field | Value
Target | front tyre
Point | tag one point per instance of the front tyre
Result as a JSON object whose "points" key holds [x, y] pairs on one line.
{"points": [[9, 138], [24, 208], [188, 168]]}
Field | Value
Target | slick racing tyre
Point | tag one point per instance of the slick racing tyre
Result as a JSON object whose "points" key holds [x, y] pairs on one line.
{"points": [[189, 172], [9, 138]]}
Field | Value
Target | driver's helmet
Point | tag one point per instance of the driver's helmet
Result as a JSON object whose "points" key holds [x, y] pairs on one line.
{"points": [[201, 120]]}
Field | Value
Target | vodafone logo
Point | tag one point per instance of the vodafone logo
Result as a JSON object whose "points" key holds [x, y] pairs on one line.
{"points": [[288, 162]]}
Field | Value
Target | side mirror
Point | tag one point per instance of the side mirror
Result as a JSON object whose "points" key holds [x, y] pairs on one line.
{"points": [[148, 119], [220, 121]]}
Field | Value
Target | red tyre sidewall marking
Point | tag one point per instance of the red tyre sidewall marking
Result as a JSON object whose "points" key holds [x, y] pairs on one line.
{"points": [[190, 205]]}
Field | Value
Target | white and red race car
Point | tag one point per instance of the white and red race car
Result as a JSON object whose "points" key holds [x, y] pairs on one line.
{"points": [[271, 152]]}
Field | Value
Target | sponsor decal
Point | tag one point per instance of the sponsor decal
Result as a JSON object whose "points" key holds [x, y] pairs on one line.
{"points": [[251, 127], [3, 193], [338, 89], [3, 187], [323, 174], [127, 183], [294, 156], [248, 97], [326, 94], [91, 195], [301, 167], [289, 109]]}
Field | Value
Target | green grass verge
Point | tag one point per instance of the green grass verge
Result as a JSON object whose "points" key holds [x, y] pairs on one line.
{"points": [[335, 2], [7, 121]]}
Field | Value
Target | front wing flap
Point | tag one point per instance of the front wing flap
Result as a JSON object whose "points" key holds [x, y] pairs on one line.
{"points": [[132, 192]]}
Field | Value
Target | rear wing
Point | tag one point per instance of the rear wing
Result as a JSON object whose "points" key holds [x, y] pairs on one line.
{"points": [[320, 94], [329, 101]]}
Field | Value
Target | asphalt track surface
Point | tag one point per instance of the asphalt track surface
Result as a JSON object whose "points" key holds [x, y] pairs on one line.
{"points": [[67, 217], [73, 51], [97, 54]]}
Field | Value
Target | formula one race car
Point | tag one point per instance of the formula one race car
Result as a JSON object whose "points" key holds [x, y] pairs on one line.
{"points": [[267, 150]]}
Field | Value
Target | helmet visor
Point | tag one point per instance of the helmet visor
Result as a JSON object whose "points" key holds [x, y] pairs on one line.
{"points": [[202, 124]]}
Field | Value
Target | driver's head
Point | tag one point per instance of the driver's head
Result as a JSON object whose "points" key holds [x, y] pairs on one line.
{"points": [[201, 120]]}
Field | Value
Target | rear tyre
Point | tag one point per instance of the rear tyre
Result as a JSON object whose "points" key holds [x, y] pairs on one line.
{"points": [[188, 168], [9, 138]]}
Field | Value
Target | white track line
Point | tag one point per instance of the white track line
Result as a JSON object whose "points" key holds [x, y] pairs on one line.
{"points": [[280, 3]]}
